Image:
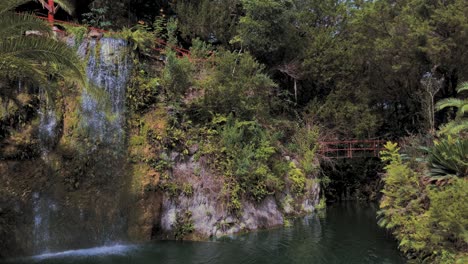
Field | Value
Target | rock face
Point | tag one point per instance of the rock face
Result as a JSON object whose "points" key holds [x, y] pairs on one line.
{"points": [[81, 179], [209, 216]]}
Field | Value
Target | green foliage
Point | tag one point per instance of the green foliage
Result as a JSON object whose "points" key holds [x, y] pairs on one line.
{"points": [[449, 213], [172, 27], [401, 208], [429, 222], [212, 21], [32, 59], [97, 18], [236, 85], [141, 36], [305, 145], [159, 25], [449, 157], [231, 194], [173, 189], [322, 204], [265, 26], [346, 112], [183, 225], [248, 152], [78, 32], [460, 124], [176, 76], [200, 49], [391, 153], [143, 88], [297, 179]]}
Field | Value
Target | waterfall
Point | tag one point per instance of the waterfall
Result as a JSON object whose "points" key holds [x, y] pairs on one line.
{"points": [[91, 215], [47, 125], [107, 69], [42, 211]]}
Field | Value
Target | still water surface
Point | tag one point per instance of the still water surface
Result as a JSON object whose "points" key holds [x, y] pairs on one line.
{"points": [[345, 233]]}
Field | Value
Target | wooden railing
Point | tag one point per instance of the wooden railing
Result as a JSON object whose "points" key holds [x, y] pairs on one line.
{"points": [[351, 148]]}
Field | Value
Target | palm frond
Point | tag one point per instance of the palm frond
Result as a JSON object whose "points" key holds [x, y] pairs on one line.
{"points": [[43, 49], [13, 68], [16, 24], [8, 5], [67, 5]]}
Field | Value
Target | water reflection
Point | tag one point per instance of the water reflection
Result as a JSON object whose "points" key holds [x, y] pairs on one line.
{"points": [[346, 234]]}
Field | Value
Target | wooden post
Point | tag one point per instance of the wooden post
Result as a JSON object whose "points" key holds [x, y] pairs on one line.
{"points": [[51, 14], [374, 145]]}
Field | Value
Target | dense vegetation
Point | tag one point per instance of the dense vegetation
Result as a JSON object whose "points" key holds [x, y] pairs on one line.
{"points": [[268, 79]]}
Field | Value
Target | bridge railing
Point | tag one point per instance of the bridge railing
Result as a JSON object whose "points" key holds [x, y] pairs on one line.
{"points": [[351, 148]]}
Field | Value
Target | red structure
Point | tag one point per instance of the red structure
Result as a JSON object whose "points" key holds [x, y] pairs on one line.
{"points": [[159, 47], [51, 8], [351, 148]]}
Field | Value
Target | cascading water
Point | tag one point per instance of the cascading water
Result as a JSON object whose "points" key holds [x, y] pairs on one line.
{"points": [[47, 125], [43, 208], [91, 214], [107, 69]]}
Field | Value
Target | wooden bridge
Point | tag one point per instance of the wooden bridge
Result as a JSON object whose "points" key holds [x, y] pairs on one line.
{"points": [[351, 148]]}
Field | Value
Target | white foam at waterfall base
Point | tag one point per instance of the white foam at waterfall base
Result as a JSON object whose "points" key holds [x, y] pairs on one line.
{"points": [[117, 249]]}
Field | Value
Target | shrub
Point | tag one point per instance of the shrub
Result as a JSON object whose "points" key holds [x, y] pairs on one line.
{"points": [[176, 76], [297, 178], [183, 225], [449, 214], [429, 222]]}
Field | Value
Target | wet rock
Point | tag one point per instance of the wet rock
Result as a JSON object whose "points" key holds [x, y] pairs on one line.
{"points": [[266, 214], [209, 214], [193, 149], [174, 156], [95, 34]]}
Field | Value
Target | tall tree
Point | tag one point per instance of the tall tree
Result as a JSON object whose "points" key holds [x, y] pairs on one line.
{"points": [[210, 20]]}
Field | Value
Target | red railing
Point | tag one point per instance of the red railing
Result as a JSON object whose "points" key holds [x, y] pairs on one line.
{"points": [[160, 43], [351, 148]]}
